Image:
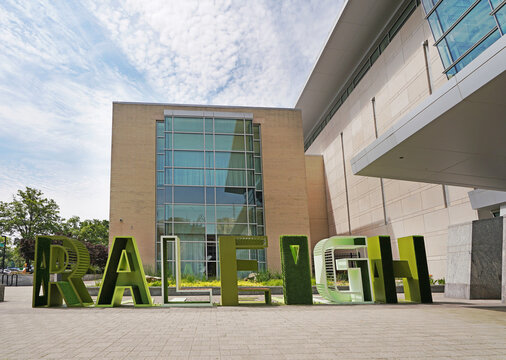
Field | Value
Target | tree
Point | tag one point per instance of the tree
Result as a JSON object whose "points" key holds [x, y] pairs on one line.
{"points": [[92, 231], [27, 215], [95, 231], [30, 214], [98, 254], [70, 228]]}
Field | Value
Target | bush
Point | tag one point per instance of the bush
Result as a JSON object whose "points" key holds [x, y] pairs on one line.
{"points": [[98, 255], [93, 269], [264, 276], [149, 270]]}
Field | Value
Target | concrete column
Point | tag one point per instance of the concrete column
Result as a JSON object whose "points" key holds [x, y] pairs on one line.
{"points": [[476, 260]]}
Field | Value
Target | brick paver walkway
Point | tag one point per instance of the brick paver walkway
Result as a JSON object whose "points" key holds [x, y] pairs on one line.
{"points": [[446, 329]]}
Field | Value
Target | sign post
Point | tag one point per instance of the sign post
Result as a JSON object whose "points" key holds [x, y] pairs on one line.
{"points": [[4, 245]]}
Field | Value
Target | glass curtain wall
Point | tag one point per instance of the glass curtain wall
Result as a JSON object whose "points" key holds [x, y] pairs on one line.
{"points": [[463, 29], [208, 183]]}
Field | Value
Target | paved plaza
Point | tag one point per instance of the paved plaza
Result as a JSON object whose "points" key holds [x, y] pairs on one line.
{"points": [[446, 329]]}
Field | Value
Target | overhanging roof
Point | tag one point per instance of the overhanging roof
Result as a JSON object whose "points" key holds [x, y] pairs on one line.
{"points": [[457, 136], [356, 29], [481, 198]]}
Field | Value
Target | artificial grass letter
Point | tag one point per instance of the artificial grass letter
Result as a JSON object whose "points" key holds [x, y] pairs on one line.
{"points": [[229, 265], [60, 255], [124, 271], [296, 271], [411, 268]]}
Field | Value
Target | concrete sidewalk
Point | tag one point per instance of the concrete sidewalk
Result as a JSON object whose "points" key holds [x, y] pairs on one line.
{"points": [[446, 329]]}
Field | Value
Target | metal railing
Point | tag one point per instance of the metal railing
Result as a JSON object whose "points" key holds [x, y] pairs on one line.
{"points": [[6, 276]]}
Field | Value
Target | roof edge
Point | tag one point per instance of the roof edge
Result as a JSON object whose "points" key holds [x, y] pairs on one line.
{"points": [[205, 106]]}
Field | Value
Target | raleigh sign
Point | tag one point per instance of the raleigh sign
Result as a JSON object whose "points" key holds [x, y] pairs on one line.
{"points": [[371, 279]]}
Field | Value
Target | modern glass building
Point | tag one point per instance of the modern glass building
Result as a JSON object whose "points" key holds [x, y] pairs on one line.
{"points": [[199, 172], [208, 183]]}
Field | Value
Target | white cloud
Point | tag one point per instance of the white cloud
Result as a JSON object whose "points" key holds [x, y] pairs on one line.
{"points": [[55, 109], [62, 64], [234, 53]]}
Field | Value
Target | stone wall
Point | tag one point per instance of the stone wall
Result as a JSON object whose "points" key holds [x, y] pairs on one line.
{"points": [[476, 260], [458, 272]]}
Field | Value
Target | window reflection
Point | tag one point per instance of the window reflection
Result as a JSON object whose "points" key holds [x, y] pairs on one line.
{"points": [[189, 194], [188, 177], [230, 195], [189, 158], [470, 28], [211, 163]]}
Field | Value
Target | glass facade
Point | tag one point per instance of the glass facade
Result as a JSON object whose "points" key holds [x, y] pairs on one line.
{"points": [[208, 183], [463, 29]]}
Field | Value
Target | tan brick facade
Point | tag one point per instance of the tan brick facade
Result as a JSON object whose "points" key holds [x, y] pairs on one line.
{"points": [[132, 209]]}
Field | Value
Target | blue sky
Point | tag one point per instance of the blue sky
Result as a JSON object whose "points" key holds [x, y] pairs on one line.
{"points": [[62, 63]]}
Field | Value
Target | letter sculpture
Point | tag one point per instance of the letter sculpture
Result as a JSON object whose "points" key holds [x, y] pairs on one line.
{"points": [[412, 268], [229, 266], [60, 255], [296, 270], [326, 265], [124, 271], [166, 241]]}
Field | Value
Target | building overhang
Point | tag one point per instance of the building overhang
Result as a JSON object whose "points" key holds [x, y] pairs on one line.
{"points": [[457, 136], [481, 198], [356, 30]]}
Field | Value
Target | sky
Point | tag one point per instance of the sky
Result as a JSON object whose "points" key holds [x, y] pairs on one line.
{"points": [[63, 63]]}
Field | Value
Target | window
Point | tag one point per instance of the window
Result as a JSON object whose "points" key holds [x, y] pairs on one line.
{"points": [[189, 194], [188, 124], [229, 126], [189, 141], [229, 142], [189, 213], [230, 160], [231, 214], [207, 173], [189, 159], [231, 195], [230, 178], [189, 177], [463, 29]]}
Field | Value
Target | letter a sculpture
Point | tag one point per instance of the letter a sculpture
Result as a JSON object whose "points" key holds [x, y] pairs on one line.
{"points": [[124, 271]]}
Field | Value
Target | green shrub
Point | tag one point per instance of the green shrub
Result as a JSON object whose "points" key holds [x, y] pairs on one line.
{"points": [[264, 276], [151, 271]]}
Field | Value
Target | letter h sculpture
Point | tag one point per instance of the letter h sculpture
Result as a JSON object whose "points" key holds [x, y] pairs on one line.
{"points": [[412, 268]]}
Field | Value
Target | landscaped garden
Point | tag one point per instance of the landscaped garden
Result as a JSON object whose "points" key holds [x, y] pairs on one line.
{"points": [[264, 278]]}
